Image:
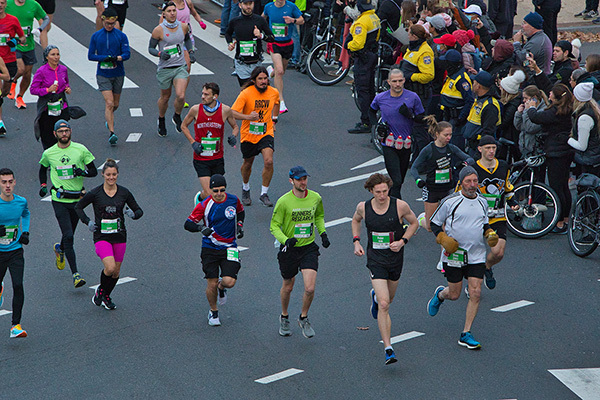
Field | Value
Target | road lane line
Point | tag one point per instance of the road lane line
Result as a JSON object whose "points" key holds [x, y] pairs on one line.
{"points": [[278, 376], [133, 137], [136, 112], [5, 312], [338, 221], [404, 337], [352, 179], [242, 248], [584, 382], [374, 161], [513, 306], [119, 282]]}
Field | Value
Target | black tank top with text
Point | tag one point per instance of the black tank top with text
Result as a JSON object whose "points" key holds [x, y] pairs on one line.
{"points": [[382, 230]]}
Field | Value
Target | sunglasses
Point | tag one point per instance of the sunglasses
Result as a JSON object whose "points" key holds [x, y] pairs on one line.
{"points": [[218, 190]]}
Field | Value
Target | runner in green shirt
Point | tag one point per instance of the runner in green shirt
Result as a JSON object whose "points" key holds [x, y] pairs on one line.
{"points": [[295, 217], [69, 163]]}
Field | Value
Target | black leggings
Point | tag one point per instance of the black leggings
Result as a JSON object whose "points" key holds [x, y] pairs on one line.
{"points": [[67, 221], [558, 178], [396, 163], [14, 262]]}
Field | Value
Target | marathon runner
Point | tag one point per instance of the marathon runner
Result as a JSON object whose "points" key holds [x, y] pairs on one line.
{"points": [[49, 6], [111, 202], [295, 217], [209, 132], [215, 217], [120, 6], [69, 163], [461, 226], [14, 233], [109, 47], [387, 237], [258, 107]]}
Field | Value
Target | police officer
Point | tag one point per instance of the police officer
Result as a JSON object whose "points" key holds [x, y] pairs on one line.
{"points": [[417, 64], [485, 114], [362, 43]]}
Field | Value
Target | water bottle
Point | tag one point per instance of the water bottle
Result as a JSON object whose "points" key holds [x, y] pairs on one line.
{"points": [[55, 83]]}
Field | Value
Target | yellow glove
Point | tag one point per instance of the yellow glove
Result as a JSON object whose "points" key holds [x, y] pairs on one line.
{"points": [[449, 243], [491, 236]]}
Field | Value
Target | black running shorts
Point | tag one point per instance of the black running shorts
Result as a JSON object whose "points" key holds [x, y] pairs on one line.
{"points": [[250, 150], [456, 274], [213, 259], [297, 258]]}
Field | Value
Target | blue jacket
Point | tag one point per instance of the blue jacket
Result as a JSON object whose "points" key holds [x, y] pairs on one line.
{"points": [[104, 44]]}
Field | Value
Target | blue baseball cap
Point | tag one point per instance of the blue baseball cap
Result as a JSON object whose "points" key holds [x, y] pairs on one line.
{"points": [[452, 56], [298, 172], [61, 123]]}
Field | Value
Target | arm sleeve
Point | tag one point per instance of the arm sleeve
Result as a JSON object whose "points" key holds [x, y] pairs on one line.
{"points": [[187, 40], [91, 170], [241, 215], [43, 173], [45, 22], [137, 210], [266, 29], [320, 217], [25, 218], [83, 203], [277, 222], [152, 47], [585, 123], [435, 229]]}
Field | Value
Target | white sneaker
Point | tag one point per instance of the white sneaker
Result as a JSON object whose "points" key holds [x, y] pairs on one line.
{"points": [[213, 321], [270, 71], [282, 108], [440, 266], [222, 295]]}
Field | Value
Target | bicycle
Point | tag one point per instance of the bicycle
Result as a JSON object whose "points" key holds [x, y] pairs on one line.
{"points": [[382, 70], [313, 19], [584, 218]]}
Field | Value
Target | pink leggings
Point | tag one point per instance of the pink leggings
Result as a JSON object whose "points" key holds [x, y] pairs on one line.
{"points": [[116, 250]]}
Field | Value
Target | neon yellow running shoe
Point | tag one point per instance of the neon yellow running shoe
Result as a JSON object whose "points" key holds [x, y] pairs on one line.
{"points": [[78, 281], [60, 256], [186, 105]]}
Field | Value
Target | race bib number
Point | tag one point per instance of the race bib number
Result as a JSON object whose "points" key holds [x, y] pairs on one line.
{"points": [[233, 254], [279, 30], [209, 146], [107, 65], [173, 50], [4, 38], [55, 108], [26, 30], [247, 48], [493, 201], [65, 171], [118, 2], [382, 240], [303, 231], [109, 225], [258, 128], [442, 175], [11, 234], [458, 258]]}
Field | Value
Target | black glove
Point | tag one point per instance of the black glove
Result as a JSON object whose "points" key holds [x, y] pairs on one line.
{"points": [[24, 239], [240, 230], [79, 172], [2, 230], [192, 55], [197, 148], [164, 55], [404, 110], [291, 242], [383, 130], [206, 231], [43, 190], [420, 183], [325, 240], [110, 58], [232, 141]]}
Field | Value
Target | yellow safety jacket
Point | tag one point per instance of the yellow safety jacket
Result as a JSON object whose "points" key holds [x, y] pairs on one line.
{"points": [[422, 60], [479, 105], [365, 32], [450, 86]]}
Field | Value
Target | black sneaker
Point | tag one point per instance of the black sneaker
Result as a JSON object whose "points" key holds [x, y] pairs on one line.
{"points": [[581, 14], [360, 128], [560, 231], [162, 129], [490, 281], [264, 198], [177, 121], [107, 303], [246, 200], [390, 357], [97, 298]]}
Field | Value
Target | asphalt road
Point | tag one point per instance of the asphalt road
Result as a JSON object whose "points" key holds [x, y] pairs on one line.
{"points": [[157, 344]]}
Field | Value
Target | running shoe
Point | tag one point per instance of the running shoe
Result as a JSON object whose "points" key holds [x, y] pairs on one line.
{"points": [[490, 281], [17, 332], [222, 298], [591, 15], [19, 103], [467, 340], [374, 305], [12, 93], [60, 256], [581, 14], [434, 304], [177, 121], [560, 231], [282, 108], [467, 291], [264, 198], [390, 357], [360, 128], [186, 105], [78, 281], [218, 21], [246, 200], [162, 129], [440, 266], [108, 303], [97, 297], [213, 318], [106, 126], [284, 326], [113, 139], [2, 129], [307, 330], [1, 291], [270, 71]]}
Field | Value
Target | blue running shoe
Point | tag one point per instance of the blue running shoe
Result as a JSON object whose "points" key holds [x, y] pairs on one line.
{"points": [[390, 357], [374, 305], [490, 281], [434, 304], [113, 139], [467, 340], [1, 291], [106, 126]]}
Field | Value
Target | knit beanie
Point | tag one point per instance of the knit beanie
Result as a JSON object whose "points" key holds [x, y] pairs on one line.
{"points": [[466, 171], [503, 49], [534, 19], [512, 82], [584, 91], [463, 37]]}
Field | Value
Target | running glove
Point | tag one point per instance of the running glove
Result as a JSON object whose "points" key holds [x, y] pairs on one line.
{"points": [[92, 226], [491, 236], [232, 140], [291, 242], [240, 230], [43, 190], [24, 239], [420, 183], [164, 56], [449, 243], [129, 212], [79, 172], [197, 148], [192, 55], [325, 240], [202, 25], [206, 231], [110, 58], [405, 111], [2, 230]]}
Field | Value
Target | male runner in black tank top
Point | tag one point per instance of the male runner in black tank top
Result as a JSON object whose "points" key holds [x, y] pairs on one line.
{"points": [[383, 217]]}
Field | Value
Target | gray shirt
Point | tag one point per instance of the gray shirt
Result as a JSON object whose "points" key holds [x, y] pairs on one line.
{"points": [[172, 43], [540, 46]]}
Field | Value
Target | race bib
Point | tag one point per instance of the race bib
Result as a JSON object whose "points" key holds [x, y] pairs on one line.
{"points": [[303, 231], [458, 258], [493, 201], [233, 254], [382, 240], [4, 38], [65, 171], [173, 50], [55, 108], [11, 234], [107, 65], [109, 225], [247, 48], [258, 128], [26, 30], [118, 2], [279, 29], [209, 146], [442, 175]]}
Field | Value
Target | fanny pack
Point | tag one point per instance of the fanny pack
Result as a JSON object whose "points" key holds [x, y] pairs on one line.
{"points": [[68, 194]]}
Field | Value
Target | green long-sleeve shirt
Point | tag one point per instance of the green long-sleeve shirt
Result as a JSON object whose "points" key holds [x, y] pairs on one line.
{"points": [[295, 217]]}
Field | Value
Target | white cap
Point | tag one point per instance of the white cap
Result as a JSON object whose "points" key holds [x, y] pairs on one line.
{"points": [[584, 91], [473, 9]]}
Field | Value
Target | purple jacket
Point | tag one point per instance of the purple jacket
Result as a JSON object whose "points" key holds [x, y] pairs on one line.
{"points": [[44, 78]]}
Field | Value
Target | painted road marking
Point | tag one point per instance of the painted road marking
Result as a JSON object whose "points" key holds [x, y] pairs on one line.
{"points": [[136, 112], [404, 337], [513, 306], [5, 312], [119, 282], [138, 40], [102, 166], [133, 137], [374, 161], [352, 179], [280, 375], [584, 382], [47, 198], [337, 222], [242, 248]]}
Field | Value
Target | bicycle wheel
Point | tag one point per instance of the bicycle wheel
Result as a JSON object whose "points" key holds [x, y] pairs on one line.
{"points": [[375, 139], [324, 66], [535, 217], [381, 83], [583, 224], [355, 96]]}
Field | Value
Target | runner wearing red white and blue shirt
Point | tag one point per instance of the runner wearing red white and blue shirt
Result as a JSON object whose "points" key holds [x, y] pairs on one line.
{"points": [[220, 218]]}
